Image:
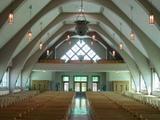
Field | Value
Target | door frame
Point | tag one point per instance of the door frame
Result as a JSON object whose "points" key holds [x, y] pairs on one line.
{"points": [[80, 82]]}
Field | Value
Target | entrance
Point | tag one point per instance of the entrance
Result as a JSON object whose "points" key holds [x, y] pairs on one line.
{"points": [[80, 83], [80, 87]]}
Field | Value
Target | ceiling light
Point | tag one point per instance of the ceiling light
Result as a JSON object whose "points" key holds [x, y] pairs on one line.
{"points": [[40, 46], [151, 18], [11, 18], [93, 37], [132, 35], [29, 35], [48, 52], [113, 53], [68, 37], [120, 46], [81, 22]]}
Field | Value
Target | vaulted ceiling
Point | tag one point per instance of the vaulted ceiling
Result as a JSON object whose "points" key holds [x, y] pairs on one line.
{"points": [[108, 17]]}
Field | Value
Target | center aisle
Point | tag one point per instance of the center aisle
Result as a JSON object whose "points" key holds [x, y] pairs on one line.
{"points": [[80, 109]]}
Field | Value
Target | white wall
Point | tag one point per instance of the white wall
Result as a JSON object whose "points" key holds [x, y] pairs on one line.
{"points": [[41, 75], [119, 76], [105, 78]]}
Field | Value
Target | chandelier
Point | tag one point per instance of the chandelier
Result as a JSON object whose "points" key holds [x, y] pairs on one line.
{"points": [[81, 22]]}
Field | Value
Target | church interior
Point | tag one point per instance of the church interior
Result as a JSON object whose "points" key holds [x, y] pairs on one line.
{"points": [[79, 59]]}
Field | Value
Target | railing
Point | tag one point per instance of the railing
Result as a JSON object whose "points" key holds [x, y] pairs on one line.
{"points": [[103, 61]]}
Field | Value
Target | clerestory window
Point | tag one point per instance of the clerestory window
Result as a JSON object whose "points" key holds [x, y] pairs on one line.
{"points": [[80, 51]]}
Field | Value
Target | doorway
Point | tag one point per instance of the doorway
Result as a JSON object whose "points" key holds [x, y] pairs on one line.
{"points": [[80, 83], [80, 87]]}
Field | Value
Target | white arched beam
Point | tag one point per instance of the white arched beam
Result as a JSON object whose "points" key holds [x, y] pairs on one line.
{"points": [[10, 47], [140, 59], [132, 66], [19, 61], [32, 60], [151, 48]]}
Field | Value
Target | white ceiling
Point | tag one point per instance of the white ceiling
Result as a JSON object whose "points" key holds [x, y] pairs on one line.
{"points": [[140, 17]]}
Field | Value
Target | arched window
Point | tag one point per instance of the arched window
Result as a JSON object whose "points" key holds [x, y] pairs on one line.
{"points": [[5, 81], [143, 85], [18, 82], [156, 82]]}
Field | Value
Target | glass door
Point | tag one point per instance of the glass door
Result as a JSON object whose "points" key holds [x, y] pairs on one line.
{"points": [[80, 83], [65, 80], [66, 86], [94, 87], [77, 87], [83, 87]]}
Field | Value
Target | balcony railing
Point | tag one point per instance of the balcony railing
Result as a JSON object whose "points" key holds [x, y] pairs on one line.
{"points": [[58, 61]]}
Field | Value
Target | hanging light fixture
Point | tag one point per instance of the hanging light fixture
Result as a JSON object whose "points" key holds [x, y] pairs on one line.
{"points": [[29, 33], [40, 45], [120, 46], [68, 37], [48, 52], [151, 16], [81, 22], [113, 53], [10, 18], [93, 37], [132, 33]]}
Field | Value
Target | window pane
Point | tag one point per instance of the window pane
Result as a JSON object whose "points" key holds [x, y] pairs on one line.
{"points": [[80, 50], [95, 79], [75, 48], [80, 79], [75, 57], [91, 53], [143, 86], [64, 57], [94, 87], [65, 78], [86, 57], [5, 82], [133, 86], [84, 87], [70, 53], [18, 82], [66, 87], [80, 53], [80, 43], [156, 82], [83, 78], [96, 58], [86, 48]]}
